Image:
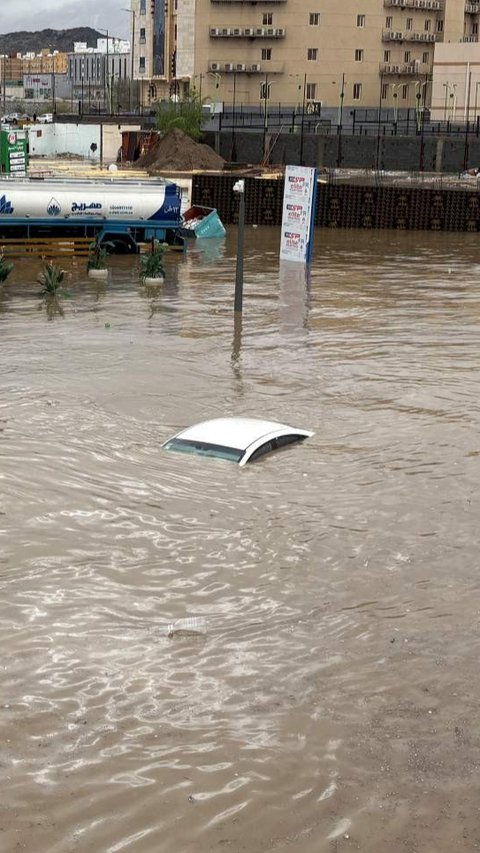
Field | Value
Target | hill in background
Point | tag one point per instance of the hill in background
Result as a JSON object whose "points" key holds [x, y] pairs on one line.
{"points": [[34, 42]]}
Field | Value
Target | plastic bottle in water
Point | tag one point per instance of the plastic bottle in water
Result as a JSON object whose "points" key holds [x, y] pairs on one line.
{"points": [[192, 625]]}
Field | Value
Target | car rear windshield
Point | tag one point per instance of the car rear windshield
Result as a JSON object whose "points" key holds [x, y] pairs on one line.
{"points": [[203, 448]]}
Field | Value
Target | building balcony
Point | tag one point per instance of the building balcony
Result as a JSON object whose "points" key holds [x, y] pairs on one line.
{"points": [[470, 38], [408, 35], [405, 69], [247, 32], [431, 5], [472, 8], [265, 68]]}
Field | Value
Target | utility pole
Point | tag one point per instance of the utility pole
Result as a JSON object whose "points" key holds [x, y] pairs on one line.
{"points": [[4, 85], [303, 115]]}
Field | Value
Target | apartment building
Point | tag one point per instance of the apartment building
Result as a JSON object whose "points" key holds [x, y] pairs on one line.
{"points": [[153, 31], [355, 53]]}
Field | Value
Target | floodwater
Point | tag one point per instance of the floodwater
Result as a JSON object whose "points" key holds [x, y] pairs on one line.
{"points": [[331, 703]]}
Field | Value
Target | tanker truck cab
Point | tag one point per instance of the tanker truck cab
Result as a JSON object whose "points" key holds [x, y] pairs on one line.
{"points": [[111, 211]]}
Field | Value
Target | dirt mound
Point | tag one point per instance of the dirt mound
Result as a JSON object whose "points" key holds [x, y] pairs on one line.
{"points": [[177, 152]]}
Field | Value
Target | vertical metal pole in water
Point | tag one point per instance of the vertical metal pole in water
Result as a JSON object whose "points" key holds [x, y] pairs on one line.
{"points": [[238, 305]]}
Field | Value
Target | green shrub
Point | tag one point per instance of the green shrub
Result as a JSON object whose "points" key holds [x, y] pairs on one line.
{"points": [[151, 264], [5, 268], [50, 278], [187, 115], [97, 255]]}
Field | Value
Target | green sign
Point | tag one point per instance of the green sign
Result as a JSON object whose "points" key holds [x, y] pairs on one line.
{"points": [[13, 152]]}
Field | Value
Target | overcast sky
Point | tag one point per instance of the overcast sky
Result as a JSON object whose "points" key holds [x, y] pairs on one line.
{"points": [[62, 14]]}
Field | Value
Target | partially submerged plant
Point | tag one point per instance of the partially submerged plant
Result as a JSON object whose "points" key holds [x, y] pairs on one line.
{"points": [[5, 268], [151, 264], [50, 278], [97, 255]]}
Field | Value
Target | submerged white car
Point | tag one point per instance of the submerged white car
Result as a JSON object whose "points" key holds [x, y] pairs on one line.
{"points": [[239, 440]]}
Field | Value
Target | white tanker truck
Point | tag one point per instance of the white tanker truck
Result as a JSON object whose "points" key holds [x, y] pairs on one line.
{"points": [[120, 213]]}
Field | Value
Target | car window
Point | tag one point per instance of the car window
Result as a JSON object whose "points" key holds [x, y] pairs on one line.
{"points": [[203, 448], [283, 440], [262, 450], [274, 444]]}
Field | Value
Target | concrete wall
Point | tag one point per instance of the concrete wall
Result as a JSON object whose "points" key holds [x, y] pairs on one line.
{"points": [[51, 140], [390, 153]]}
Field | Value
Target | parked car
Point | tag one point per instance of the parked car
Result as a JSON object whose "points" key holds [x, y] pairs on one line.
{"points": [[239, 440]]}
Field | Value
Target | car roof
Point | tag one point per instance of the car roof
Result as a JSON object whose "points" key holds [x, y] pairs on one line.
{"points": [[238, 433]]}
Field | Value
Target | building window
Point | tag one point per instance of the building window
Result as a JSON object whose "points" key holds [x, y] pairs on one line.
{"points": [[141, 65], [312, 53], [407, 56], [384, 90], [389, 22], [311, 91], [474, 29], [357, 91], [266, 52], [426, 57], [439, 26], [386, 55], [409, 24], [405, 91], [361, 20], [142, 35], [359, 55], [427, 25], [143, 7], [267, 19], [314, 19]]}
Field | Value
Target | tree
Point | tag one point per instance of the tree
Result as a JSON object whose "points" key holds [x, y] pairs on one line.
{"points": [[187, 115]]}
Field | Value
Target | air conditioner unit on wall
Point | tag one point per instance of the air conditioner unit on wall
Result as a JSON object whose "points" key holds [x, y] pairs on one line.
{"points": [[248, 31], [237, 31], [214, 66], [259, 31], [256, 67], [280, 31], [213, 31], [270, 31], [240, 67], [229, 66]]}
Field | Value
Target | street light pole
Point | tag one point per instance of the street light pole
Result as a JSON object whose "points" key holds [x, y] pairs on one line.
{"points": [[446, 86], [303, 115], [132, 54], [339, 125], [395, 86], [232, 151], [379, 120], [265, 116], [4, 85]]}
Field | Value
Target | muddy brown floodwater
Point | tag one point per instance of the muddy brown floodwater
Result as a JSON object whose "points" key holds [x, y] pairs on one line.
{"points": [[332, 704]]}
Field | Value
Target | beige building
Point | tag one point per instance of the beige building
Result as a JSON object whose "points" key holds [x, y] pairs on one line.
{"points": [[456, 82], [355, 53]]}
